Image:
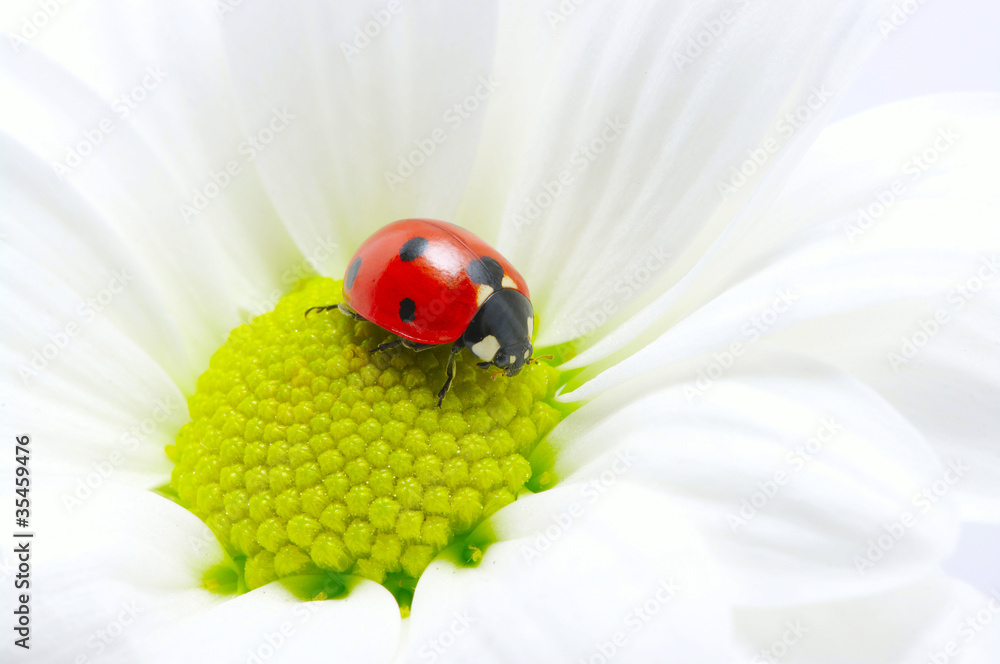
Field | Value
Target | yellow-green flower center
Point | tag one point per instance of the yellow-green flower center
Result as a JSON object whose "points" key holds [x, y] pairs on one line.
{"points": [[309, 455]]}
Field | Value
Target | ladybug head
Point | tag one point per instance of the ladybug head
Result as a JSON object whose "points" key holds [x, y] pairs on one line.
{"points": [[500, 332], [511, 358]]}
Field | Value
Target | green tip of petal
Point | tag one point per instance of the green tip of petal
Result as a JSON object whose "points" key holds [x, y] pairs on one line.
{"points": [[317, 462]]}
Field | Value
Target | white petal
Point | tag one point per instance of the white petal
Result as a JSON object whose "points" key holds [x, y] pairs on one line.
{"points": [[812, 281], [274, 626], [143, 132], [933, 357], [259, 117], [115, 571], [115, 430], [852, 164], [374, 90], [858, 303], [821, 278], [93, 361], [806, 483], [937, 620], [623, 576], [122, 580], [674, 96], [120, 210]]}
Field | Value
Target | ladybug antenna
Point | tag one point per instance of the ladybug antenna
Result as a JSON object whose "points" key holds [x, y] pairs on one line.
{"points": [[533, 360]]}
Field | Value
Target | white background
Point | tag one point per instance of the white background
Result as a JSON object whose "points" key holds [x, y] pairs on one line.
{"points": [[945, 46]]}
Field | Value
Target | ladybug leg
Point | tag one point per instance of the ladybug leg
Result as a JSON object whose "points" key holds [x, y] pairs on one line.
{"points": [[347, 311], [388, 345], [329, 307], [405, 343], [341, 307], [450, 373], [415, 346]]}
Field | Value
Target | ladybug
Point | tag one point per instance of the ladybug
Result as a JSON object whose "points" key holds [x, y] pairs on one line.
{"points": [[431, 283]]}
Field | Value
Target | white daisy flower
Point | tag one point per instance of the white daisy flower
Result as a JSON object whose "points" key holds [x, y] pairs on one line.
{"points": [[786, 340]]}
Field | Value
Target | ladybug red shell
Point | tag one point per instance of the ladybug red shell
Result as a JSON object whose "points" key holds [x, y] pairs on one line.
{"points": [[424, 280], [430, 283]]}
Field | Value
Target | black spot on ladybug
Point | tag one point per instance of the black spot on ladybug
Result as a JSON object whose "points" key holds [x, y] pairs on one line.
{"points": [[352, 273], [413, 249], [407, 310], [486, 271]]}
